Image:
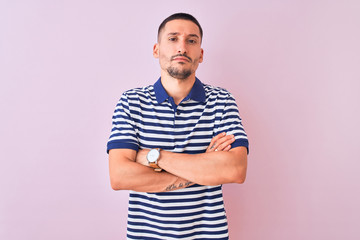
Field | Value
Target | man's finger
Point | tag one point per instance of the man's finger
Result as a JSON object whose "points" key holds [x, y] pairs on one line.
{"points": [[227, 148], [225, 145], [224, 142], [215, 139]]}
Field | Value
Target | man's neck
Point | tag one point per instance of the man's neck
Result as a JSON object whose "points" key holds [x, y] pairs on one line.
{"points": [[178, 89]]}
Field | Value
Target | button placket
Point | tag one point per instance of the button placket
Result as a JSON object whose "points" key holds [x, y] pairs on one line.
{"points": [[170, 105]]}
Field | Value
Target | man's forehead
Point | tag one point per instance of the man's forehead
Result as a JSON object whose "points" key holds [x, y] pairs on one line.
{"points": [[181, 26]]}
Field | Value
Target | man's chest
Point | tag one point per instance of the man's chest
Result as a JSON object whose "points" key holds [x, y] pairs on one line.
{"points": [[187, 128]]}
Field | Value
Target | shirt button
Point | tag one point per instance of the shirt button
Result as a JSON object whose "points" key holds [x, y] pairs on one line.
{"points": [[178, 112]]}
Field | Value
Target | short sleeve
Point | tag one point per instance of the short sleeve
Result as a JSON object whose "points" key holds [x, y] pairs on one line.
{"points": [[231, 123], [123, 132]]}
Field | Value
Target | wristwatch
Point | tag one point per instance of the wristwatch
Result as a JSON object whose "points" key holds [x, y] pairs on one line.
{"points": [[153, 157]]}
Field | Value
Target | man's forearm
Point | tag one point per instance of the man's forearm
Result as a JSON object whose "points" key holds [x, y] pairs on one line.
{"points": [[161, 182], [129, 169], [211, 168], [134, 176], [178, 184]]}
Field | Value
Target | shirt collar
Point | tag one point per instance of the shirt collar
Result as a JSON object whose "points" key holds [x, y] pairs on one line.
{"points": [[197, 92]]}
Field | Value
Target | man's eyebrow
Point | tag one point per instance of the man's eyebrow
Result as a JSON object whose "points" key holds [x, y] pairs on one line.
{"points": [[176, 33], [194, 35]]}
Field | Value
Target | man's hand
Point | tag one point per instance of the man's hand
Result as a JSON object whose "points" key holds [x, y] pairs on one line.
{"points": [[141, 157], [220, 142]]}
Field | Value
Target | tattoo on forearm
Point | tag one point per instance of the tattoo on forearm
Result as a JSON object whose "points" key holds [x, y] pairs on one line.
{"points": [[176, 186]]}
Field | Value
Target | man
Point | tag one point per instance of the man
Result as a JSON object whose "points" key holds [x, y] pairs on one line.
{"points": [[175, 142]]}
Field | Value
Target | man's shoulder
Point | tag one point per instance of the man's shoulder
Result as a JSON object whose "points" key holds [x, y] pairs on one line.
{"points": [[139, 91], [215, 91], [141, 95]]}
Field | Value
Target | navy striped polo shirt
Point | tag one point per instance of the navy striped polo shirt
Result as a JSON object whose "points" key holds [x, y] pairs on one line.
{"points": [[148, 118]]}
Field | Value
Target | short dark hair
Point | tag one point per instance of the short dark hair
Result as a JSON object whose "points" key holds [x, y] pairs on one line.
{"points": [[184, 16]]}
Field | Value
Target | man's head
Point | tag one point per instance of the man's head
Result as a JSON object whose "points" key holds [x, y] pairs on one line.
{"points": [[179, 46], [183, 16]]}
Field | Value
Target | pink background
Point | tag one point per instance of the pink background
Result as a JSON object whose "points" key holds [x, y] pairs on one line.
{"points": [[293, 67]]}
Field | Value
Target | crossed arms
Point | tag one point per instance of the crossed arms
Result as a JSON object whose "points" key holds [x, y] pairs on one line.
{"points": [[129, 169]]}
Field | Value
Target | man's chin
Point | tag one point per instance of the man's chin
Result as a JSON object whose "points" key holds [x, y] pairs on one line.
{"points": [[182, 74]]}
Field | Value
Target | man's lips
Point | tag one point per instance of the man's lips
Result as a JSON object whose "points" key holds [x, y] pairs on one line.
{"points": [[181, 58]]}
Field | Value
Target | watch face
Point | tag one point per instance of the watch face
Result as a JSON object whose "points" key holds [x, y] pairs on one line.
{"points": [[153, 155]]}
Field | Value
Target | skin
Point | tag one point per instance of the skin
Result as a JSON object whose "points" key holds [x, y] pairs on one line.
{"points": [[126, 165], [179, 52]]}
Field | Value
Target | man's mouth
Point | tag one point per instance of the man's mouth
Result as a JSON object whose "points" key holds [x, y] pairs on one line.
{"points": [[181, 58]]}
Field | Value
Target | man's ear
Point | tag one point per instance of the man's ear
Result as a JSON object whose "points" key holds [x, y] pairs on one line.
{"points": [[156, 50], [201, 56]]}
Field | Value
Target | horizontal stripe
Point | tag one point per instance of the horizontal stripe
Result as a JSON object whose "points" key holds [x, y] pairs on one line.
{"points": [[182, 232], [220, 218], [178, 195], [190, 203], [178, 217], [199, 235], [185, 225], [148, 207]]}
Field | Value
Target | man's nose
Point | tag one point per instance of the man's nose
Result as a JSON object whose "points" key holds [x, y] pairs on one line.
{"points": [[182, 47]]}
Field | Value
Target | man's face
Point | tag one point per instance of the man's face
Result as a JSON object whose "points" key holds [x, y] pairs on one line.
{"points": [[179, 48]]}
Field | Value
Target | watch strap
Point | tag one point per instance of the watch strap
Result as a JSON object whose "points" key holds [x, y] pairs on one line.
{"points": [[155, 167]]}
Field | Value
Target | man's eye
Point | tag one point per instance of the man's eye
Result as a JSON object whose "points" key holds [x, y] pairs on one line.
{"points": [[172, 39], [192, 41]]}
